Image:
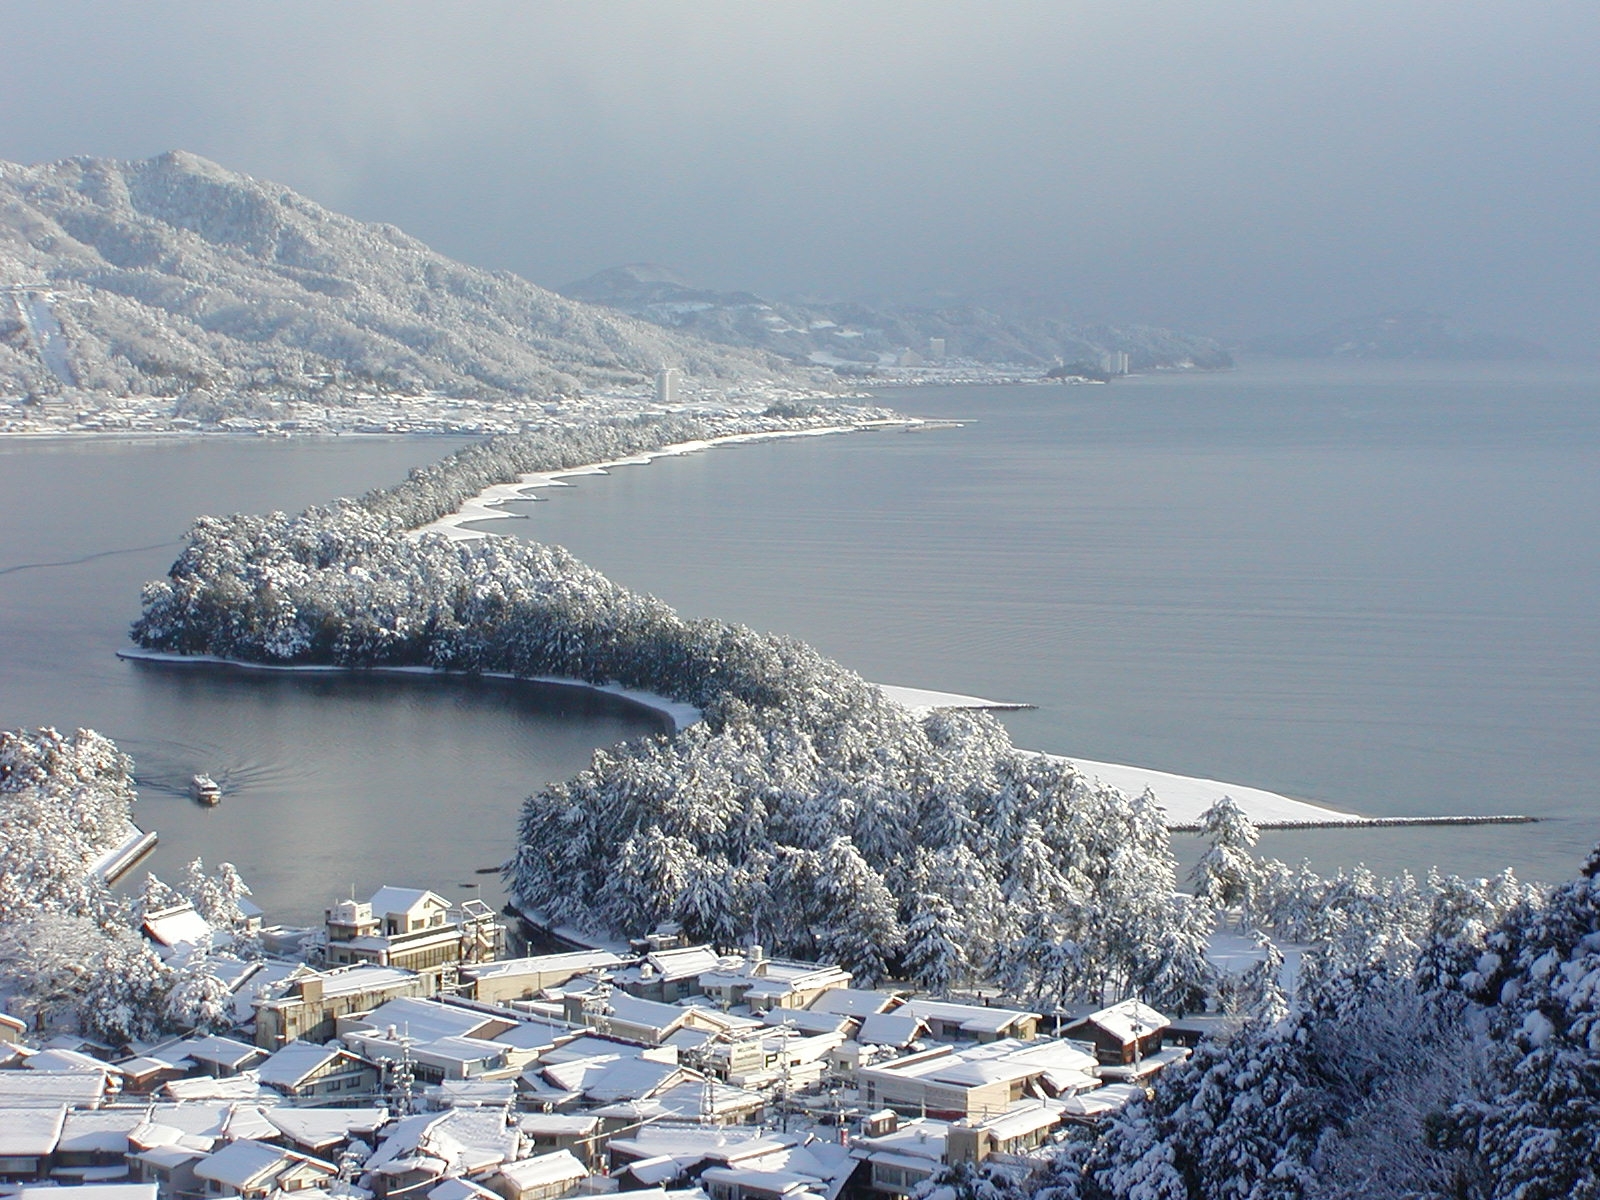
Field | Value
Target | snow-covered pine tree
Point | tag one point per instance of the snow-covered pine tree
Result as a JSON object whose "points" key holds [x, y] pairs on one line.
{"points": [[1226, 875], [934, 958]]}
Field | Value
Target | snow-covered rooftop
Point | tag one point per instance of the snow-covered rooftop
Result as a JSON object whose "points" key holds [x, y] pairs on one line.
{"points": [[854, 1002], [178, 926], [1129, 1020], [243, 1163], [30, 1132], [395, 901], [546, 1169], [292, 1065], [544, 964], [223, 1051], [424, 1020], [244, 1086], [972, 1018], [318, 1129], [47, 1089], [891, 1029]]}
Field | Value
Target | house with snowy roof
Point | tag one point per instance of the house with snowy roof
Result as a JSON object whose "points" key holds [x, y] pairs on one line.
{"points": [[763, 983], [94, 1145], [948, 1021], [235, 1088], [28, 1137], [544, 1177], [217, 1056], [606, 1079], [446, 1041], [411, 928], [1020, 1129], [899, 1157], [145, 1073], [524, 978], [618, 1013], [177, 929], [573, 1132], [978, 1081], [897, 1030], [12, 1029], [307, 1071], [854, 1002], [655, 1154], [667, 974], [1123, 1033], [168, 1167], [254, 1170], [198, 1125], [50, 1089], [308, 1004], [325, 1132], [420, 1151], [61, 1059]]}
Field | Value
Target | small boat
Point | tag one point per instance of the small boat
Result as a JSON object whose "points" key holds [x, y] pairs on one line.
{"points": [[205, 789]]}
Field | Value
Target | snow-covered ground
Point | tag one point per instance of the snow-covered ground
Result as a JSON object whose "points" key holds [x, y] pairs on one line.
{"points": [[924, 700], [1183, 797]]}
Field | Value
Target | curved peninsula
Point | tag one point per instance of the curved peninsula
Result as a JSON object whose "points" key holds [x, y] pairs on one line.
{"points": [[806, 810]]}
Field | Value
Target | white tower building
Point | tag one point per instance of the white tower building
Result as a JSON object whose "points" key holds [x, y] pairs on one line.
{"points": [[667, 380]]}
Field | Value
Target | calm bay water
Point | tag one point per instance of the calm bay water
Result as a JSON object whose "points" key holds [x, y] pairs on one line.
{"points": [[332, 783], [1375, 587]]}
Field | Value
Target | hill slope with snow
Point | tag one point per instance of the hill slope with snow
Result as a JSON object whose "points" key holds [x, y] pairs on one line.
{"points": [[1002, 330], [174, 277]]}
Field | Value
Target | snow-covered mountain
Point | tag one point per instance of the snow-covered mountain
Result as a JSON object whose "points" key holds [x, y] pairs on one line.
{"points": [[859, 335], [175, 277]]}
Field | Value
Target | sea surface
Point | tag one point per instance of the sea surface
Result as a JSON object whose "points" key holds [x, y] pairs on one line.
{"points": [[331, 784], [1376, 588]]}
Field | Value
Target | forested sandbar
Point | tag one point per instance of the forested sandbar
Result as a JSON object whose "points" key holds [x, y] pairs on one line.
{"points": [[488, 505]]}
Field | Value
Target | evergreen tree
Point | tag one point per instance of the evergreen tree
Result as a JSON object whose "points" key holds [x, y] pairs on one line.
{"points": [[1226, 875]]}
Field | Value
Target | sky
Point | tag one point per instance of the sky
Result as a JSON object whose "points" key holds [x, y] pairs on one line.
{"points": [[1223, 167]]}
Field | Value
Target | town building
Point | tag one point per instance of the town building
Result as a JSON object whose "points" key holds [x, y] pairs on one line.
{"points": [[413, 929]]}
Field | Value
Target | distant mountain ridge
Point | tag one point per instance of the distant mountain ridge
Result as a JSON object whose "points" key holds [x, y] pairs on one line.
{"points": [[849, 335], [174, 275], [1412, 334]]}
